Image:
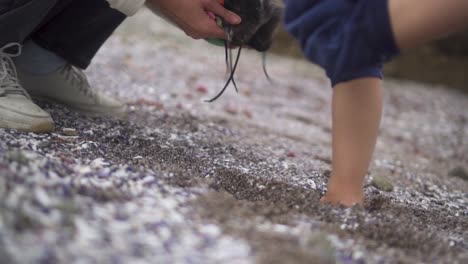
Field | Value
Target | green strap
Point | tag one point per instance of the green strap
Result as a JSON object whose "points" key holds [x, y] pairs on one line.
{"points": [[217, 41]]}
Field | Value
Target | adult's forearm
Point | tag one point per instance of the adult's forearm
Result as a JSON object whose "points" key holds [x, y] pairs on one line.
{"points": [[191, 16], [417, 22]]}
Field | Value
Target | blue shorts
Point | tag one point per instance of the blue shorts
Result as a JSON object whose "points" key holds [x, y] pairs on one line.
{"points": [[350, 39]]}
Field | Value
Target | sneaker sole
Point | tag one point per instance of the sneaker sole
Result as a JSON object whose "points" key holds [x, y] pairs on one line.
{"points": [[88, 110], [46, 125]]}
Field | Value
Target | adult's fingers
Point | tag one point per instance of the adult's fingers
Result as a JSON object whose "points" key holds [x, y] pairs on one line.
{"points": [[215, 7], [206, 28]]}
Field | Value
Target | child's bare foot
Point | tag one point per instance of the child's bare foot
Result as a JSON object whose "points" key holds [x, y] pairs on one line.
{"points": [[337, 200], [342, 191]]}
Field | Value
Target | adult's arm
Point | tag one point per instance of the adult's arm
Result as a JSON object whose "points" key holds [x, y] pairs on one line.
{"points": [[188, 15], [191, 16]]}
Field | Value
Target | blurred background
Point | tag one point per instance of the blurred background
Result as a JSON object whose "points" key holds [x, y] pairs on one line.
{"points": [[444, 62]]}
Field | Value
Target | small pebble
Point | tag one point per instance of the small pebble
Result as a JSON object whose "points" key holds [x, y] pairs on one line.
{"points": [[188, 96], [18, 156], [320, 246], [70, 132], [144, 102], [382, 184], [230, 109], [248, 113], [459, 172], [44, 144], [202, 89], [247, 92]]}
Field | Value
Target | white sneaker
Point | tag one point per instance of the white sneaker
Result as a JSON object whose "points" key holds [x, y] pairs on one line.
{"points": [[70, 87], [17, 111]]}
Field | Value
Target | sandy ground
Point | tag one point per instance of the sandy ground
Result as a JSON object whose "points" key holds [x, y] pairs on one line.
{"points": [[236, 181]]}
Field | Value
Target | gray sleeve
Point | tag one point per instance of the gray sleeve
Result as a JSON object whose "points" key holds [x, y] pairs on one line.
{"points": [[128, 7]]}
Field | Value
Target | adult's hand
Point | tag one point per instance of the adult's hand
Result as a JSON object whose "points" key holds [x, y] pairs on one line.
{"points": [[191, 16]]}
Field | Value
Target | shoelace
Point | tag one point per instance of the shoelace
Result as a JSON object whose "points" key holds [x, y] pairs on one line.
{"points": [[76, 77], [9, 82]]}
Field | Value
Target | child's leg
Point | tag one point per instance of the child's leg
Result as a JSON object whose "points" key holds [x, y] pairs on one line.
{"points": [[357, 105], [419, 21], [357, 109]]}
